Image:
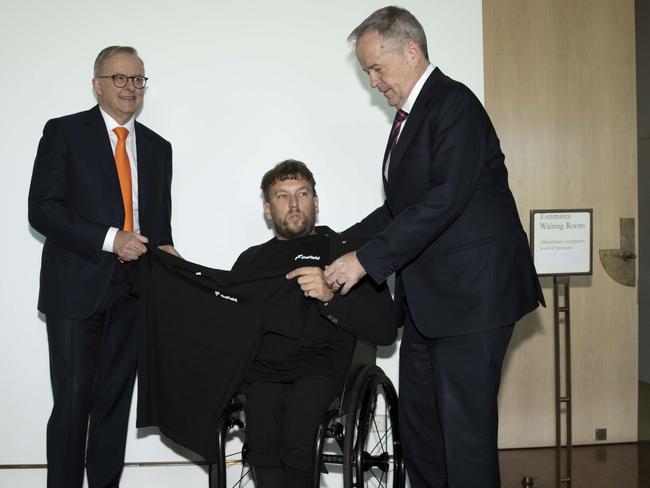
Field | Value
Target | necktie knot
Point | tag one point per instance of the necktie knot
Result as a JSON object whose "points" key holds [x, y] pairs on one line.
{"points": [[121, 132], [400, 116]]}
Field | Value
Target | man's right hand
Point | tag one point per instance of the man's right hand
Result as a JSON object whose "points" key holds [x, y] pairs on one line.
{"points": [[129, 246]]}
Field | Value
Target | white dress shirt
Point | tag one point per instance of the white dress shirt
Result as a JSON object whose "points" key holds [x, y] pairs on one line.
{"points": [[132, 152]]}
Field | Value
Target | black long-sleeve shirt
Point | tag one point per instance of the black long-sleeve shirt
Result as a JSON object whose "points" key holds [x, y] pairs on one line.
{"points": [[199, 330]]}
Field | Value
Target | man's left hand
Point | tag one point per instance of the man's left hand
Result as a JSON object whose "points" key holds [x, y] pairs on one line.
{"points": [[344, 273], [171, 250], [312, 282]]}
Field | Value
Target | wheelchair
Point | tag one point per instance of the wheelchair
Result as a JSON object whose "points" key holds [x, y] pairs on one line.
{"points": [[359, 433]]}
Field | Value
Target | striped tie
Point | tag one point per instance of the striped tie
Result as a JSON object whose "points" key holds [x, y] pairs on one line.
{"points": [[400, 117]]}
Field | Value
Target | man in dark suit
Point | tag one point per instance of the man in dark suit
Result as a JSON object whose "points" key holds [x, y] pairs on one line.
{"points": [[100, 190], [450, 230]]}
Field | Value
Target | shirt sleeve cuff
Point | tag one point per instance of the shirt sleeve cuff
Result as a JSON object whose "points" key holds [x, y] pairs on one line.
{"points": [[109, 239]]}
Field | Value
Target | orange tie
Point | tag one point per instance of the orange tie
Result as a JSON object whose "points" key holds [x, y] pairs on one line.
{"points": [[124, 174]]}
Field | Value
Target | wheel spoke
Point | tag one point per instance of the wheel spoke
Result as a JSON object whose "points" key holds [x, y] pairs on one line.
{"points": [[379, 442], [242, 477], [379, 480], [381, 438]]}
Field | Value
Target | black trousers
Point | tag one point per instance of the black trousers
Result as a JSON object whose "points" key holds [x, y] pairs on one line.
{"points": [[282, 419], [448, 407], [92, 369]]}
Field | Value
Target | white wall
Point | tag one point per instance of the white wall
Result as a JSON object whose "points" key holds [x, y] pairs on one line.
{"points": [[236, 87]]}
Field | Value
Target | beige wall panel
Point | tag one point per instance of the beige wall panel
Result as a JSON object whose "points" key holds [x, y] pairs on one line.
{"points": [[560, 88]]}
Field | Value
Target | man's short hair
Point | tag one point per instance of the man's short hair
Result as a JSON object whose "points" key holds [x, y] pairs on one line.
{"points": [[394, 24], [109, 51], [287, 170]]}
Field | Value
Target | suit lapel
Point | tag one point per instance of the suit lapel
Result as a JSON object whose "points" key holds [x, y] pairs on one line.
{"points": [[98, 147], [144, 157], [415, 119]]}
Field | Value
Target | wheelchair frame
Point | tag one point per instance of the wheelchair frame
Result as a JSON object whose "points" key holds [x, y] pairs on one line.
{"points": [[369, 456]]}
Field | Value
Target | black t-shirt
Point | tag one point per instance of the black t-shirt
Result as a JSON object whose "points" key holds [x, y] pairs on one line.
{"points": [[284, 256], [322, 349]]}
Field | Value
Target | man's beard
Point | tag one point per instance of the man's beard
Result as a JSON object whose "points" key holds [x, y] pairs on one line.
{"points": [[285, 230]]}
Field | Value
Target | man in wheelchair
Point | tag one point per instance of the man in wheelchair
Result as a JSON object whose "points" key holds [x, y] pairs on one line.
{"points": [[295, 376]]}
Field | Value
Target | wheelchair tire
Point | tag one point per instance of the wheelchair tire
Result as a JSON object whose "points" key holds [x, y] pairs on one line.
{"points": [[371, 448]]}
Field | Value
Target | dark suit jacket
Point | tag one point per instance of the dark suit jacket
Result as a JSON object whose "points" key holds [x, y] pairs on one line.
{"points": [[75, 197], [449, 226]]}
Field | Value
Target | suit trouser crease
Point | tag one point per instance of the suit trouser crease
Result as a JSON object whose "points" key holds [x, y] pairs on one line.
{"points": [[448, 407], [92, 367]]}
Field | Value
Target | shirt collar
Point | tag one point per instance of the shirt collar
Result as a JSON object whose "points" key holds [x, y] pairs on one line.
{"points": [[417, 88], [111, 123]]}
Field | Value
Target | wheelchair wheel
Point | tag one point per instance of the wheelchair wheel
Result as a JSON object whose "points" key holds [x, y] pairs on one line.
{"points": [[231, 468], [371, 449]]}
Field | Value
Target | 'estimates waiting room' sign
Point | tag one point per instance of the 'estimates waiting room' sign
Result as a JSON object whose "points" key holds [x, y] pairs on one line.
{"points": [[561, 241]]}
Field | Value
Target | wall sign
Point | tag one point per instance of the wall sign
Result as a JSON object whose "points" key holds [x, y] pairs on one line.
{"points": [[561, 241]]}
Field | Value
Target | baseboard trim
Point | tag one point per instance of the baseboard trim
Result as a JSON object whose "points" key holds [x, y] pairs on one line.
{"points": [[143, 464]]}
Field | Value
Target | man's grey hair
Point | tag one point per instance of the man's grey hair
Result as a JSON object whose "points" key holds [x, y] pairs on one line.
{"points": [[109, 51], [393, 24]]}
